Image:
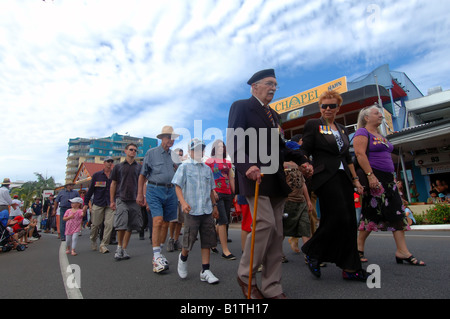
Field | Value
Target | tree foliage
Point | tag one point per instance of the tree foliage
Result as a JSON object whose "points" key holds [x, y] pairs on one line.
{"points": [[32, 189]]}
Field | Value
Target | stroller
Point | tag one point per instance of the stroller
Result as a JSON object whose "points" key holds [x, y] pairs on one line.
{"points": [[7, 241]]}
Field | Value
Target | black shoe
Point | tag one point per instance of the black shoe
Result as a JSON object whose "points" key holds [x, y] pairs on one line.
{"points": [[228, 257], [313, 266], [360, 275]]}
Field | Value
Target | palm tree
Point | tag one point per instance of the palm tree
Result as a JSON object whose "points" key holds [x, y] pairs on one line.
{"points": [[27, 193], [30, 190]]}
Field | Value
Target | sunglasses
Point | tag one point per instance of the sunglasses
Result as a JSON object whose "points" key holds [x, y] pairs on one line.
{"points": [[132, 150], [331, 106], [109, 161]]}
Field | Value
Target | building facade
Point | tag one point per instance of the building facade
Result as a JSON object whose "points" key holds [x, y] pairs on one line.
{"points": [[95, 150], [418, 126]]}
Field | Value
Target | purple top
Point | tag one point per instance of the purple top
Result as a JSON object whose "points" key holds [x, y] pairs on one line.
{"points": [[379, 151]]}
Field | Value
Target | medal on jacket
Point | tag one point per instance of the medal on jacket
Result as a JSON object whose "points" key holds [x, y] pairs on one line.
{"points": [[325, 129]]}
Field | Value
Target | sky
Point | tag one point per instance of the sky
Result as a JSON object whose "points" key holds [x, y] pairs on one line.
{"points": [[74, 68]]}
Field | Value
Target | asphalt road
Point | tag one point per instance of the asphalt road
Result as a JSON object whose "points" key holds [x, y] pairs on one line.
{"points": [[39, 268]]}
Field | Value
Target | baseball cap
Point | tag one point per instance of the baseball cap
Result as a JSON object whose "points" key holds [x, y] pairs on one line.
{"points": [[196, 142], [76, 200]]}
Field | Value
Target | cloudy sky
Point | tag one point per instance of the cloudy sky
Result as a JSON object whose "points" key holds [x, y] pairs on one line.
{"points": [[79, 68]]}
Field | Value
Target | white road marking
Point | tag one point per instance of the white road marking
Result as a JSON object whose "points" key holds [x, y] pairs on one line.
{"points": [[72, 293]]}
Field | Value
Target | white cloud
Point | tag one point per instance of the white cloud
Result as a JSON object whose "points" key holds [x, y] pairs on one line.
{"points": [[91, 68]]}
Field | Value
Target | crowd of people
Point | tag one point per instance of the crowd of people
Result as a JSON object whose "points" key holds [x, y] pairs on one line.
{"points": [[168, 191]]}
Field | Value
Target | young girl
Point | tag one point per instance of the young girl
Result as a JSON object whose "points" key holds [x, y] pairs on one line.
{"points": [[73, 218]]}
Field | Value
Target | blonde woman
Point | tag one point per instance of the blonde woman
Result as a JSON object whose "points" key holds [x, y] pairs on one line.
{"points": [[382, 207]]}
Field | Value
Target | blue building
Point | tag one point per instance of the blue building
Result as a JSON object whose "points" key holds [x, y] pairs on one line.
{"points": [[95, 150]]}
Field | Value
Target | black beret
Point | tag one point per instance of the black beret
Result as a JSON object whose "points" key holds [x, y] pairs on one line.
{"points": [[261, 75]]}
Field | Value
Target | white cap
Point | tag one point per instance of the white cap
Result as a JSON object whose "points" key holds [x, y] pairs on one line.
{"points": [[196, 142], [76, 200]]}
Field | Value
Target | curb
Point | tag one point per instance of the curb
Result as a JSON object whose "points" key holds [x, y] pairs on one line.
{"points": [[431, 227]]}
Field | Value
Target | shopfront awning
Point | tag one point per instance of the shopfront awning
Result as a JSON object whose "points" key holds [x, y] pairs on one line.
{"points": [[421, 137]]}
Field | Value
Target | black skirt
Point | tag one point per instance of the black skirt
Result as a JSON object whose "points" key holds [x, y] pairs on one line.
{"points": [[335, 239], [383, 209]]}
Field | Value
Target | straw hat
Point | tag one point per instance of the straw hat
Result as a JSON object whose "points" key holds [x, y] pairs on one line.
{"points": [[167, 130]]}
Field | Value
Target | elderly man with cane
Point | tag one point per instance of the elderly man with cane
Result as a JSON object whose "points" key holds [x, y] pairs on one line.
{"points": [[257, 147]]}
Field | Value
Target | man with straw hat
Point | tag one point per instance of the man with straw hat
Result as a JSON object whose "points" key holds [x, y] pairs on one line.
{"points": [[5, 197], [158, 169], [258, 121]]}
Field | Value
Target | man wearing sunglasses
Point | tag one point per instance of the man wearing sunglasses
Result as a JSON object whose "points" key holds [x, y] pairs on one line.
{"points": [[101, 211], [124, 187]]}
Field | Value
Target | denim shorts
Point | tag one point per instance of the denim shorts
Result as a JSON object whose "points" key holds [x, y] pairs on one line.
{"points": [[162, 201]]}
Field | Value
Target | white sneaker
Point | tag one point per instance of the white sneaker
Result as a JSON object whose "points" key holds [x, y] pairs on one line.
{"points": [[159, 265], [208, 276], [164, 259], [182, 268]]}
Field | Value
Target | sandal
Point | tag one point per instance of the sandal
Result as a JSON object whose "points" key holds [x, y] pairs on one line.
{"points": [[411, 260], [361, 257], [74, 253]]}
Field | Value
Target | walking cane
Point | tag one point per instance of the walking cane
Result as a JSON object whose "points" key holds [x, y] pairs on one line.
{"points": [[255, 209]]}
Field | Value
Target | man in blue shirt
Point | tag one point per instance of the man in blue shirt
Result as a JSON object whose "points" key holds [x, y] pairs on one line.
{"points": [[62, 200], [157, 170], [36, 209], [101, 211]]}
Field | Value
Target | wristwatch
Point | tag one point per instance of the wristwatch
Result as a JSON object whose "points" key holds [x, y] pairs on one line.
{"points": [[368, 174]]}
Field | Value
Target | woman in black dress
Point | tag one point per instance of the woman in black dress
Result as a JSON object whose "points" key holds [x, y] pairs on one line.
{"points": [[333, 181]]}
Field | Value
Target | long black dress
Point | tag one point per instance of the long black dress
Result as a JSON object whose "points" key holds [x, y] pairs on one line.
{"points": [[335, 240]]}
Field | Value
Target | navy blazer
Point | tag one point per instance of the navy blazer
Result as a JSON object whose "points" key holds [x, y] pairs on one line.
{"points": [[247, 114], [326, 156]]}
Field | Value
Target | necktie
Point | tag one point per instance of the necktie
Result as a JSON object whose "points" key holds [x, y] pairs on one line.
{"points": [[269, 114]]}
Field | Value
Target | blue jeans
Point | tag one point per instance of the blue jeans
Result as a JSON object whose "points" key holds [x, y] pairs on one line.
{"points": [[62, 223], [162, 201]]}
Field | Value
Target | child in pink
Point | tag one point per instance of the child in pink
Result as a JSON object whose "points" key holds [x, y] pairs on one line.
{"points": [[73, 218]]}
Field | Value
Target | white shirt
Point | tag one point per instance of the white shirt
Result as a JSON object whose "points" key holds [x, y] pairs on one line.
{"points": [[15, 212], [5, 198]]}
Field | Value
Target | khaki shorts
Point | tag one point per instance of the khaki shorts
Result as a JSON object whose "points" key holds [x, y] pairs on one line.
{"points": [[203, 224], [128, 216], [297, 223]]}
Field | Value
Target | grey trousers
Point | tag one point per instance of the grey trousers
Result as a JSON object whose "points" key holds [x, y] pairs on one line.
{"points": [[268, 245]]}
